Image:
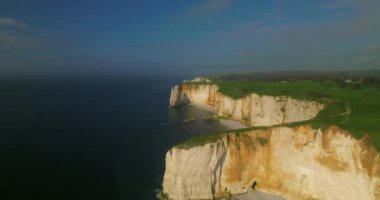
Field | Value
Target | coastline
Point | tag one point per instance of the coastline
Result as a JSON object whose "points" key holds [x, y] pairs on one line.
{"points": [[232, 124], [204, 107], [228, 123]]}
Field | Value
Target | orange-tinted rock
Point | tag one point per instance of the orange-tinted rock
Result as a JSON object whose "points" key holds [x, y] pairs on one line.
{"points": [[298, 163]]}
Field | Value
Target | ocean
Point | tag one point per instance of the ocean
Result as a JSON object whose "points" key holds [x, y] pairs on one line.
{"points": [[90, 137]]}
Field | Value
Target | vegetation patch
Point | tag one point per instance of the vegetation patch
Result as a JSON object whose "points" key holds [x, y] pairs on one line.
{"points": [[262, 141], [201, 140]]}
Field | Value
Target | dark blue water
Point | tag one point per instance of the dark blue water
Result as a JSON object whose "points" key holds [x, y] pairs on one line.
{"points": [[89, 137]]}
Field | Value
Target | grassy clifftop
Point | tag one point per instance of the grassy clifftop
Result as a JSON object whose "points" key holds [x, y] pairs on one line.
{"points": [[353, 105]]}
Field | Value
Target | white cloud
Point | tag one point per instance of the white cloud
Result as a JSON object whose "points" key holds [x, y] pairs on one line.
{"points": [[12, 23]]}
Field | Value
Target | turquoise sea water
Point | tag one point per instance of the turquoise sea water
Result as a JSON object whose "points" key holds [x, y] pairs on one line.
{"points": [[90, 137]]}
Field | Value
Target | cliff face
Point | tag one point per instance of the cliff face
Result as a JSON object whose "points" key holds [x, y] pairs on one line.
{"points": [[198, 94], [252, 110], [298, 163]]}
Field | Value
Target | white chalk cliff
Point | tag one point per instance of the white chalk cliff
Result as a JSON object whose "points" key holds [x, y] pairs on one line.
{"points": [[252, 110], [299, 163]]}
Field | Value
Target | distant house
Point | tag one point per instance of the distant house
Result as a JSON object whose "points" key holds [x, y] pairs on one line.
{"points": [[353, 83], [348, 81]]}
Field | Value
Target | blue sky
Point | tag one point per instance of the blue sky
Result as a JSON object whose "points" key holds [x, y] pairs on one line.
{"points": [[197, 36]]}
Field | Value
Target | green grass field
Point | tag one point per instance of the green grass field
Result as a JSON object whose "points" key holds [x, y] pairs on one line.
{"points": [[356, 110]]}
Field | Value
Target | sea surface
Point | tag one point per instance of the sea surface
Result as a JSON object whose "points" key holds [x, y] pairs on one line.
{"points": [[87, 137]]}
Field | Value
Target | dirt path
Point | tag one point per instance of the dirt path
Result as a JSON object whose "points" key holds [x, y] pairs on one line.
{"points": [[347, 112]]}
